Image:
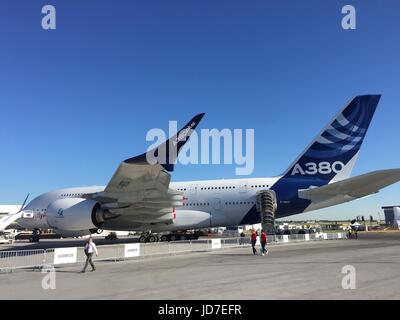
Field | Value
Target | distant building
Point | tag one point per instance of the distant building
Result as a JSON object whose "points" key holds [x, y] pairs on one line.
{"points": [[392, 216]]}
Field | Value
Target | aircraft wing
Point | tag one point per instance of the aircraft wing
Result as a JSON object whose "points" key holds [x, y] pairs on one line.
{"points": [[349, 189], [140, 186], [8, 219]]}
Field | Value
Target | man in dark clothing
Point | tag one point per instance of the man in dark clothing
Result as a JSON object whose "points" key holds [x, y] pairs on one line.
{"points": [[254, 240]]}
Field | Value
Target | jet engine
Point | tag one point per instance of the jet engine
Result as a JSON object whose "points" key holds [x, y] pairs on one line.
{"points": [[75, 214]]}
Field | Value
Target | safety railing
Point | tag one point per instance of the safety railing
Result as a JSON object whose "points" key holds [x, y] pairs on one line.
{"points": [[22, 258], [10, 260]]}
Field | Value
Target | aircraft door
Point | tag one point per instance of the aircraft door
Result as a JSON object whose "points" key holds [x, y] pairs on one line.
{"points": [[217, 218], [193, 189], [217, 204], [243, 187]]}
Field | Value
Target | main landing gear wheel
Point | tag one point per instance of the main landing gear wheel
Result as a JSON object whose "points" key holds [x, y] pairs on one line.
{"points": [[35, 237], [148, 237], [153, 238]]}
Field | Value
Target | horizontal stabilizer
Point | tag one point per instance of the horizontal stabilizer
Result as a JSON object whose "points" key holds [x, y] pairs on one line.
{"points": [[349, 189]]}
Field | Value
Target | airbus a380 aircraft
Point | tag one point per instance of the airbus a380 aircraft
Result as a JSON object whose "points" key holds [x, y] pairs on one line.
{"points": [[141, 197]]}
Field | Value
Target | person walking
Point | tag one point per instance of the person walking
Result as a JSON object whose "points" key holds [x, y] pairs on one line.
{"points": [[90, 248], [254, 240], [241, 240], [263, 242], [349, 232]]}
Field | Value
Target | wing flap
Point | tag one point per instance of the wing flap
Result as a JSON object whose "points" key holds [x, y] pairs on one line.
{"points": [[138, 177]]}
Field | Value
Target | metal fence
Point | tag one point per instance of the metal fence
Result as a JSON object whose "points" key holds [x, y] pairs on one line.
{"points": [[20, 259]]}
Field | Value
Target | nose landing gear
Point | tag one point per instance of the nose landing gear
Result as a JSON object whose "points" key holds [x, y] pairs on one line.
{"points": [[35, 237]]}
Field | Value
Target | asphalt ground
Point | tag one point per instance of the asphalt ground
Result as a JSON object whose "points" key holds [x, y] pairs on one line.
{"points": [[307, 270]]}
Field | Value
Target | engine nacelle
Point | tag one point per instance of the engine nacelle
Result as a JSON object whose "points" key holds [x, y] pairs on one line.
{"points": [[75, 214]]}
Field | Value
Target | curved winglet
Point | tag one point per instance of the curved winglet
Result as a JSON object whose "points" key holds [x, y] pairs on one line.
{"points": [[167, 153]]}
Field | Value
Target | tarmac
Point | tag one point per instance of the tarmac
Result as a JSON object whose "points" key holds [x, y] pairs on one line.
{"points": [[307, 270]]}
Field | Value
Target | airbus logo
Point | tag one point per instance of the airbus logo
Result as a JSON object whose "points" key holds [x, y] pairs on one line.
{"points": [[184, 133], [60, 213]]}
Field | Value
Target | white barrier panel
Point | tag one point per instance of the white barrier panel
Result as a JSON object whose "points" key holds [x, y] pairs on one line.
{"points": [[215, 243], [285, 238], [307, 237], [65, 255], [325, 236], [339, 235], [132, 250]]}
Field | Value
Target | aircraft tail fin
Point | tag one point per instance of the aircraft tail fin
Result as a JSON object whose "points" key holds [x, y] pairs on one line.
{"points": [[333, 153]]}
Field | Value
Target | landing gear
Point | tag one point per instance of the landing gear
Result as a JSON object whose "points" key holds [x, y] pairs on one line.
{"points": [[96, 230], [35, 237], [146, 236], [266, 206], [153, 238]]}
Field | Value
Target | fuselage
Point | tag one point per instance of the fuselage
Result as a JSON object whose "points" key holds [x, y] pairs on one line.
{"points": [[229, 202]]}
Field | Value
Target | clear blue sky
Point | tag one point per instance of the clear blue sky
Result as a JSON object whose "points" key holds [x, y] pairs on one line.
{"points": [[76, 101]]}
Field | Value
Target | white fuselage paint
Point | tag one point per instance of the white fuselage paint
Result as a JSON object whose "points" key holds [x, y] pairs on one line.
{"points": [[227, 201]]}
